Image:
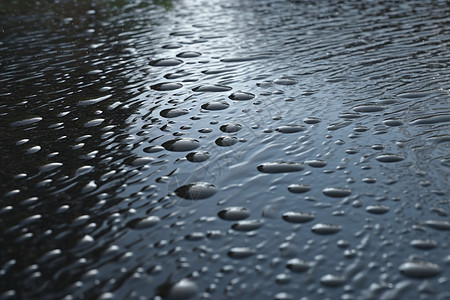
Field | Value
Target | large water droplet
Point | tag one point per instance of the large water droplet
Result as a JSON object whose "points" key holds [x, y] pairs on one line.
{"points": [[420, 269], [234, 213], [183, 289], [215, 105], [25, 122], [217, 88], [368, 107], [247, 225], [321, 228], [336, 192], [225, 141], [377, 209], [241, 252], [189, 54], [285, 81], [299, 188], [280, 167], [198, 156], [241, 96], [389, 158], [298, 217], [316, 163], [424, 244], [173, 112], [230, 127], [297, 265], [166, 86], [438, 224], [332, 280], [181, 144], [143, 223], [290, 128], [196, 190], [166, 62]]}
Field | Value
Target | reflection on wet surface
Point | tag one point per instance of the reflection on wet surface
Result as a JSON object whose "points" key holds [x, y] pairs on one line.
{"points": [[224, 150]]}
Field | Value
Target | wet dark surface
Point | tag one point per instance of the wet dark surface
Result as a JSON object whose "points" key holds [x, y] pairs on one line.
{"points": [[224, 149]]}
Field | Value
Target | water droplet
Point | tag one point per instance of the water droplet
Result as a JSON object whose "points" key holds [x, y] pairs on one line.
{"points": [[225, 141], [181, 144], [368, 107], [438, 224], [183, 289], [215, 105], [432, 119], [299, 188], [312, 120], [241, 252], [321, 228], [336, 192], [377, 209], [217, 88], [285, 81], [230, 127], [247, 225], [141, 161], [234, 213], [291, 128], [173, 112], [316, 163], [166, 86], [389, 158], [189, 54], [198, 156], [297, 265], [166, 62], [280, 167], [26, 122], [393, 122], [241, 96], [93, 123], [196, 190], [143, 223], [424, 244], [332, 280], [50, 166], [153, 149], [298, 217], [420, 269]]}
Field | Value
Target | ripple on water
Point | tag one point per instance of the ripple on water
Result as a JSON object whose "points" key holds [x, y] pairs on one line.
{"points": [[389, 158], [336, 192], [280, 167], [298, 217], [322, 228], [196, 190], [166, 86], [26, 122], [420, 269], [226, 141], [230, 127], [217, 88], [241, 252], [181, 144], [198, 156], [234, 213], [173, 112], [143, 223], [241, 96], [216, 105], [299, 188], [166, 62], [291, 128]]}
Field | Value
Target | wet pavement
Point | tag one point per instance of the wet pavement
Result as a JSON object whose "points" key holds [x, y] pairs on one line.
{"points": [[224, 149]]}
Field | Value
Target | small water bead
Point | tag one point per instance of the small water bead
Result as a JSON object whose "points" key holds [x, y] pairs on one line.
{"points": [[332, 280], [153, 149], [173, 112], [216, 105], [166, 86], [336, 192], [166, 62], [215, 88], [181, 144], [369, 180], [297, 265], [93, 123], [438, 224], [420, 269], [234, 213], [26, 122], [368, 107], [291, 128], [196, 190], [205, 130], [226, 141], [425, 244], [316, 163], [298, 217], [280, 167], [285, 81], [389, 158], [312, 120], [377, 147], [189, 54], [247, 225], [299, 188], [393, 122], [198, 156], [241, 252], [230, 127], [143, 223], [195, 236], [377, 209], [241, 96], [283, 296], [325, 229]]}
